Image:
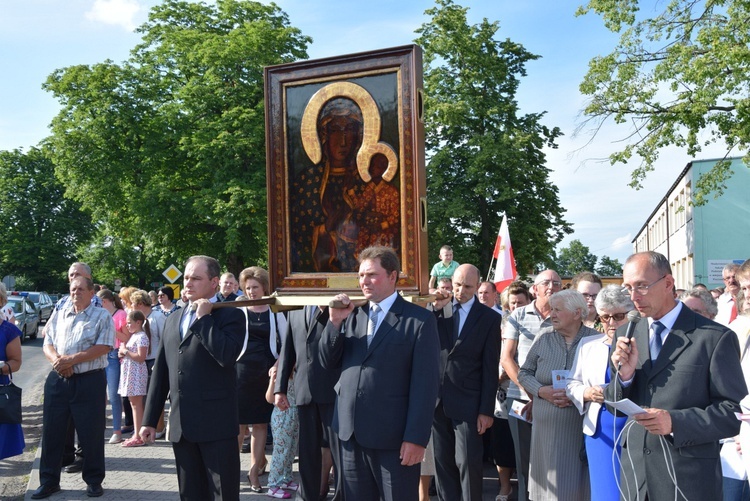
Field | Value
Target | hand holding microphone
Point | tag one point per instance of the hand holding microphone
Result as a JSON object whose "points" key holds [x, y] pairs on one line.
{"points": [[625, 355]]}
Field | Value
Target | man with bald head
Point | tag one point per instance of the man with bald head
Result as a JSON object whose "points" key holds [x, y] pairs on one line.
{"points": [[469, 354], [523, 326], [684, 371]]}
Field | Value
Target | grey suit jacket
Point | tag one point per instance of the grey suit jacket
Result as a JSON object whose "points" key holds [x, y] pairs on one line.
{"points": [[469, 368], [698, 379], [386, 393], [300, 345], [198, 374]]}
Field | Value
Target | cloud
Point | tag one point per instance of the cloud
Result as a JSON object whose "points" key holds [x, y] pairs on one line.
{"points": [[621, 242], [117, 12]]}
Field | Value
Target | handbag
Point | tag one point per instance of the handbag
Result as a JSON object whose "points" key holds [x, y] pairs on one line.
{"points": [[10, 402]]}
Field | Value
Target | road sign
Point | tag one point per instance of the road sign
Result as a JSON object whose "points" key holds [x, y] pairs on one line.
{"points": [[176, 289], [172, 273]]}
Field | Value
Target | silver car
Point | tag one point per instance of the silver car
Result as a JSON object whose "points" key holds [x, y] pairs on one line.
{"points": [[27, 318]]}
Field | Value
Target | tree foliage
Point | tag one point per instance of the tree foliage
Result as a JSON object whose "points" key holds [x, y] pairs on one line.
{"points": [[166, 149], [609, 267], [39, 228], [679, 78], [575, 258], [485, 157]]}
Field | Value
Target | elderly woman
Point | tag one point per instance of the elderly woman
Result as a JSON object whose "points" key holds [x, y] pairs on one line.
{"points": [[264, 331], [590, 375], [556, 471], [11, 435]]}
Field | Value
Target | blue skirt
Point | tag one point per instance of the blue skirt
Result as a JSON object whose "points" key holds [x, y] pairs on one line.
{"points": [[604, 470], [11, 440]]}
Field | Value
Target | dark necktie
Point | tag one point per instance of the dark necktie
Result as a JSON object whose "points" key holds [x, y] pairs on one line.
{"points": [[655, 343], [456, 321]]}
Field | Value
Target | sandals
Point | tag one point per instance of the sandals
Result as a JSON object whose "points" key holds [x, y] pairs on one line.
{"points": [[254, 488], [278, 493], [133, 442]]}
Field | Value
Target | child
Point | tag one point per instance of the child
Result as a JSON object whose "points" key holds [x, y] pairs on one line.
{"points": [[378, 209], [443, 269], [285, 431], [133, 371]]}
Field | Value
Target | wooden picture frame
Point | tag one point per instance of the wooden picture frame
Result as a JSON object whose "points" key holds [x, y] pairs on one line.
{"points": [[345, 169]]}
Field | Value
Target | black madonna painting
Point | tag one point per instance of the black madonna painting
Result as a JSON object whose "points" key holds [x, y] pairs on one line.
{"points": [[345, 167]]}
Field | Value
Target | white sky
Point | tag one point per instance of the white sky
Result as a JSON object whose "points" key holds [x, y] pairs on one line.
{"points": [[39, 36]]}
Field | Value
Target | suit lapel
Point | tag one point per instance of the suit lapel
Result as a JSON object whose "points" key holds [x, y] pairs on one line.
{"points": [[388, 323], [677, 340], [471, 319]]}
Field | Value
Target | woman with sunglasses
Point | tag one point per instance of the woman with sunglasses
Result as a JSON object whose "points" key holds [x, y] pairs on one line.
{"points": [[590, 375]]}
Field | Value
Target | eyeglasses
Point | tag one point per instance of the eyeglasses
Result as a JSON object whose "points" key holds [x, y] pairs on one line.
{"points": [[589, 296], [546, 283], [730, 278], [617, 317], [642, 290], [160, 295]]}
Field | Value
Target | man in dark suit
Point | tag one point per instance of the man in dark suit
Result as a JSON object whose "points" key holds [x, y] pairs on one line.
{"points": [[313, 389], [195, 367], [469, 358], [684, 369], [389, 356]]}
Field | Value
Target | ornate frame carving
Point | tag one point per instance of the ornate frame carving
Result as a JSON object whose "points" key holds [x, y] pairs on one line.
{"points": [[375, 99]]}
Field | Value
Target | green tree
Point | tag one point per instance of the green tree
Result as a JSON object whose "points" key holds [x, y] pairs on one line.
{"points": [[575, 258], [167, 148], [39, 228], [609, 267], [679, 78], [485, 157]]}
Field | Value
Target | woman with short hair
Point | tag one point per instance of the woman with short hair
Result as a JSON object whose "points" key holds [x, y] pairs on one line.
{"points": [[556, 472]]}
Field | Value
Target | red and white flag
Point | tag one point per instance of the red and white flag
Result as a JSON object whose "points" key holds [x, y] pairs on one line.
{"points": [[505, 264]]}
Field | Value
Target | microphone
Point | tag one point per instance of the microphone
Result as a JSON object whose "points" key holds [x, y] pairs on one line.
{"points": [[633, 318]]}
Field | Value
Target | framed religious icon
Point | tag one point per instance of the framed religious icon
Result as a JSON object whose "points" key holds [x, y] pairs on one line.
{"points": [[345, 169]]}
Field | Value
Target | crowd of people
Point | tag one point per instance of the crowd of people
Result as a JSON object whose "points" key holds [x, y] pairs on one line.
{"points": [[383, 398]]}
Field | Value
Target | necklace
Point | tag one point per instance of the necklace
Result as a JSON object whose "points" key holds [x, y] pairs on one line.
{"points": [[258, 315]]}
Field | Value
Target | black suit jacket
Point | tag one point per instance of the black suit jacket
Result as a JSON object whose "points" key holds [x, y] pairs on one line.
{"points": [[386, 393], [698, 379], [469, 368], [198, 374], [300, 346]]}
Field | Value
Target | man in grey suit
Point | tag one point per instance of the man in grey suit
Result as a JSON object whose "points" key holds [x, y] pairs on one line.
{"points": [[313, 389], [388, 354], [684, 369], [469, 357], [195, 367]]}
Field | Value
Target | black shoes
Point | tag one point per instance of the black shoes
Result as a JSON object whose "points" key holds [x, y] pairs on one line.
{"points": [[94, 490], [45, 491], [74, 467]]}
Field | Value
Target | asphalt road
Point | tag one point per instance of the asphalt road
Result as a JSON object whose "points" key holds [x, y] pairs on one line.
{"points": [[34, 368]]}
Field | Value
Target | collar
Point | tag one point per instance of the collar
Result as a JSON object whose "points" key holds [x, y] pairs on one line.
{"points": [[386, 304], [468, 304], [670, 318]]}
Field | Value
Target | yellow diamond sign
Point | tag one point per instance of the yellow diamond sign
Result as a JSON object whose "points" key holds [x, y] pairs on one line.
{"points": [[172, 273]]}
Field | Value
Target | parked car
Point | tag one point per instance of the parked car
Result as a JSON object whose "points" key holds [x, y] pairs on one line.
{"points": [[27, 318], [43, 304]]}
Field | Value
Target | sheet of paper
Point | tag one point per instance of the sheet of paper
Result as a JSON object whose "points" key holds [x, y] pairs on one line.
{"points": [[626, 406], [515, 410]]}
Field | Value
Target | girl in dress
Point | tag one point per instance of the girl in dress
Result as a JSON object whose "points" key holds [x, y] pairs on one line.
{"points": [[285, 431], [134, 375]]}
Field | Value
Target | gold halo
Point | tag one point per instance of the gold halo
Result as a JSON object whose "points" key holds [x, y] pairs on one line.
{"points": [[370, 127]]}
